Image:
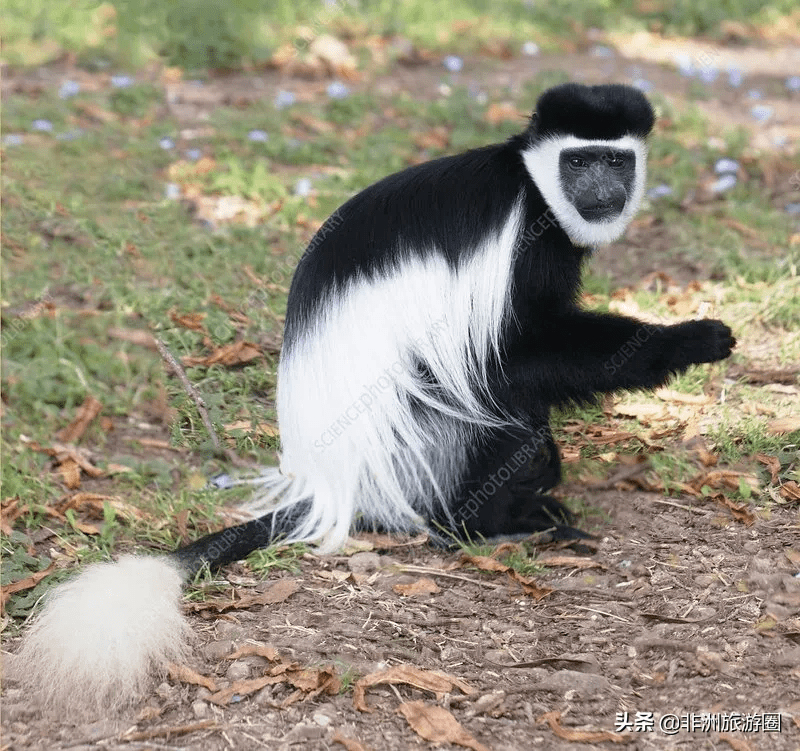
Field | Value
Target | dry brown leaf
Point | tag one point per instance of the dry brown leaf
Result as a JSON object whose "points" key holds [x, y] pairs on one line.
{"points": [[772, 464], [243, 688], [351, 744], [96, 502], [70, 473], [790, 490], [529, 585], [422, 586], [191, 321], [739, 511], [266, 651], [281, 590], [641, 411], [783, 425], [185, 674], [437, 724], [668, 395], [237, 353], [26, 583], [428, 680], [87, 412], [553, 719]]}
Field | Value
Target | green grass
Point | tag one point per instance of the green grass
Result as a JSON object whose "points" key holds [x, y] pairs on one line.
{"points": [[201, 34]]}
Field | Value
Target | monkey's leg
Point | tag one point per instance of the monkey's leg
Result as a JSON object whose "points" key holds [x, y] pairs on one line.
{"points": [[503, 493]]}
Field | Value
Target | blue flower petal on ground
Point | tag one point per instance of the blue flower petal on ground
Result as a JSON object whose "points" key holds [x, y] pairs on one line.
{"points": [[761, 113], [793, 209], [709, 75], [735, 77], [754, 94], [13, 139], [793, 83], [121, 81], [659, 191], [172, 191], [43, 126], [193, 154], [725, 165], [258, 136], [453, 63], [600, 50], [337, 90], [166, 143], [69, 89], [284, 99], [303, 187], [530, 49], [726, 182], [642, 84]]}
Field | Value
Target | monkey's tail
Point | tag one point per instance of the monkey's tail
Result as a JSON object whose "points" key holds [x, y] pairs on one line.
{"points": [[103, 635]]}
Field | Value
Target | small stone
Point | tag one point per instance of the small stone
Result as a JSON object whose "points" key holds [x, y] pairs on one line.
{"points": [[321, 719], [792, 209], [166, 143], [69, 135], [44, 126], [258, 136], [642, 84], [193, 154], [218, 650], [13, 139], [793, 83], [364, 562], [237, 671], [199, 709], [172, 191], [530, 49]]}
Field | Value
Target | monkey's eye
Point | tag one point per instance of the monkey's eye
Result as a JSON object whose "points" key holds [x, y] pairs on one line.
{"points": [[577, 163], [616, 162]]}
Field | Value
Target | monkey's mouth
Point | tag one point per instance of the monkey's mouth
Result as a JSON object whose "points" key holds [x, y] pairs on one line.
{"points": [[600, 213]]}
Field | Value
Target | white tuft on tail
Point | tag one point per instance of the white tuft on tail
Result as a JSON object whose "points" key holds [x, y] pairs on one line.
{"points": [[102, 635]]}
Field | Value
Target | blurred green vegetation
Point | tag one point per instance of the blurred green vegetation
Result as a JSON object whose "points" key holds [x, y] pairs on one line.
{"points": [[200, 34]]}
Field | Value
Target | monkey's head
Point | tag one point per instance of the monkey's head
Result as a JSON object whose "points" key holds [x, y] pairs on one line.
{"points": [[586, 150]]}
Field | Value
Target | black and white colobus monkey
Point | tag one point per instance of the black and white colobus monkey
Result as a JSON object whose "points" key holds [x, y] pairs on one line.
{"points": [[431, 325]]}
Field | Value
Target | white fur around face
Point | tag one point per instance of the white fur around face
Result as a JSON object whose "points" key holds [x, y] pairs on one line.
{"points": [[542, 163], [352, 440], [102, 635]]}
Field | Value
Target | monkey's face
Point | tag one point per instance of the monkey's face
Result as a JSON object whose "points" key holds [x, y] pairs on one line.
{"points": [[594, 188], [597, 181]]}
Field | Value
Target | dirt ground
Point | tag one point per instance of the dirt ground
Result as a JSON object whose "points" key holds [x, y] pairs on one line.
{"points": [[678, 610]]}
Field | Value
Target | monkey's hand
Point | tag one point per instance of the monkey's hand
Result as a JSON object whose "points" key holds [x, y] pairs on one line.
{"points": [[695, 342]]}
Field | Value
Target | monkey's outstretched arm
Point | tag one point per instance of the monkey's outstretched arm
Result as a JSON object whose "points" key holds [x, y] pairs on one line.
{"points": [[572, 356]]}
